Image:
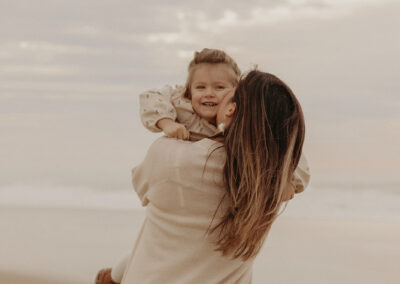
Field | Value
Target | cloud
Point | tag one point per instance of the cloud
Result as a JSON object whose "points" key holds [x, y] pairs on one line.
{"points": [[346, 45], [80, 64]]}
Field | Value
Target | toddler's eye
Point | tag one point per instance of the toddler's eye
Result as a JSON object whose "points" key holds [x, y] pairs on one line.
{"points": [[199, 87], [221, 87]]}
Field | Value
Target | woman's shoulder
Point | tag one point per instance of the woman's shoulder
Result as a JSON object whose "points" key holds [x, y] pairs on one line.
{"points": [[172, 147], [193, 162], [202, 143]]}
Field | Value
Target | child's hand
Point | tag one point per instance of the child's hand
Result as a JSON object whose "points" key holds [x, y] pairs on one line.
{"points": [[173, 129]]}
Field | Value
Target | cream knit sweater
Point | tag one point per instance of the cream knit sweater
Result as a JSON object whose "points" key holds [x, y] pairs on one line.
{"points": [[180, 183]]}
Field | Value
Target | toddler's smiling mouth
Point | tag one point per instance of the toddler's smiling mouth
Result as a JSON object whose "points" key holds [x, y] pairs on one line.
{"points": [[209, 104]]}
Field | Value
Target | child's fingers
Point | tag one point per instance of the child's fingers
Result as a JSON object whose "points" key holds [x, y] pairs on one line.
{"points": [[186, 134], [172, 134], [180, 133]]}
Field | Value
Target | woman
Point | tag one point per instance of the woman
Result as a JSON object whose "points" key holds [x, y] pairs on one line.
{"points": [[211, 203]]}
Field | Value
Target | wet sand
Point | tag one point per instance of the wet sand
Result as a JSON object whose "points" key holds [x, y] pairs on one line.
{"points": [[66, 245]]}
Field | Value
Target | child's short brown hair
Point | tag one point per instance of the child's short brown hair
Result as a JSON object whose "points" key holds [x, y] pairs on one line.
{"points": [[211, 56]]}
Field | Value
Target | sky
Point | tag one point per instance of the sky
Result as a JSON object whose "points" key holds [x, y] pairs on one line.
{"points": [[71, 72]]}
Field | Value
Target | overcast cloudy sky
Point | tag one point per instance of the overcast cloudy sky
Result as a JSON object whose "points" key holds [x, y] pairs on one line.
{"points": [[70, 72]]}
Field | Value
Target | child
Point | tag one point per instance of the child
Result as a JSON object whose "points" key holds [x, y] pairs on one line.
{"points": [[191, 109], [189, 112]]}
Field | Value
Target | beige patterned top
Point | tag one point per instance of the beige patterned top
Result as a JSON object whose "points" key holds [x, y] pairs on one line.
{"points": [[169, 102]]}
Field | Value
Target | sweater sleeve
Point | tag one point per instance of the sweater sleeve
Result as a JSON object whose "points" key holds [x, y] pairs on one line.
{"points": [[302, 175], [148, 172], [156, 104]]}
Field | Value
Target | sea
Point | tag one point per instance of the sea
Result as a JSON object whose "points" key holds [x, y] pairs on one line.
{"points": [[375, 201]]}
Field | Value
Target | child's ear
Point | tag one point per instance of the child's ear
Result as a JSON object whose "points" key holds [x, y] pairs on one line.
{"points": [[231, 109]]}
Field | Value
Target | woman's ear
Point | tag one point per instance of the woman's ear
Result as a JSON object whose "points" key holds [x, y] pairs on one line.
{"points": [[231, 109]]}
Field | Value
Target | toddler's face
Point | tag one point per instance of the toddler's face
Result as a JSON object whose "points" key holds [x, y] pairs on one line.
{"points": [[210, 84]]}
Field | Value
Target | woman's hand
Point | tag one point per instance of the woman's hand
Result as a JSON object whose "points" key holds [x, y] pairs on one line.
{"points": [[289, 192], [173, 129]]}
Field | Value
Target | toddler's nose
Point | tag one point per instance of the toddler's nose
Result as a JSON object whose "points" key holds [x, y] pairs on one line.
{"points": [[210, 92]]}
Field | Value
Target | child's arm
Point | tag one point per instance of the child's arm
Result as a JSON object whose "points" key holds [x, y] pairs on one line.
{"points": [[173, 129], [158, 113]]}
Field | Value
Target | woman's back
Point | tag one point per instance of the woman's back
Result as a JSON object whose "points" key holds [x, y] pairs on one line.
{"points": [[181, 184]]}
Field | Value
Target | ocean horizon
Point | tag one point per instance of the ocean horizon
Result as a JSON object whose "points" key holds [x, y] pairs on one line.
{"points": [[339, 199]]}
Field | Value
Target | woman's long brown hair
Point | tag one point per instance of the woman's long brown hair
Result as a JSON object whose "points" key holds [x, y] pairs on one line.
{"points": [[263, 145]]}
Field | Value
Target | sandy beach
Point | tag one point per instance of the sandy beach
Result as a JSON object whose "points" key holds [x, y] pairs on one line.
{"points": [[6, 277], [67, 245]]}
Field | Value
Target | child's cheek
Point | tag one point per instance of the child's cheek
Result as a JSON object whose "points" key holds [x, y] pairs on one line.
{"points": [[195, 107]]}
